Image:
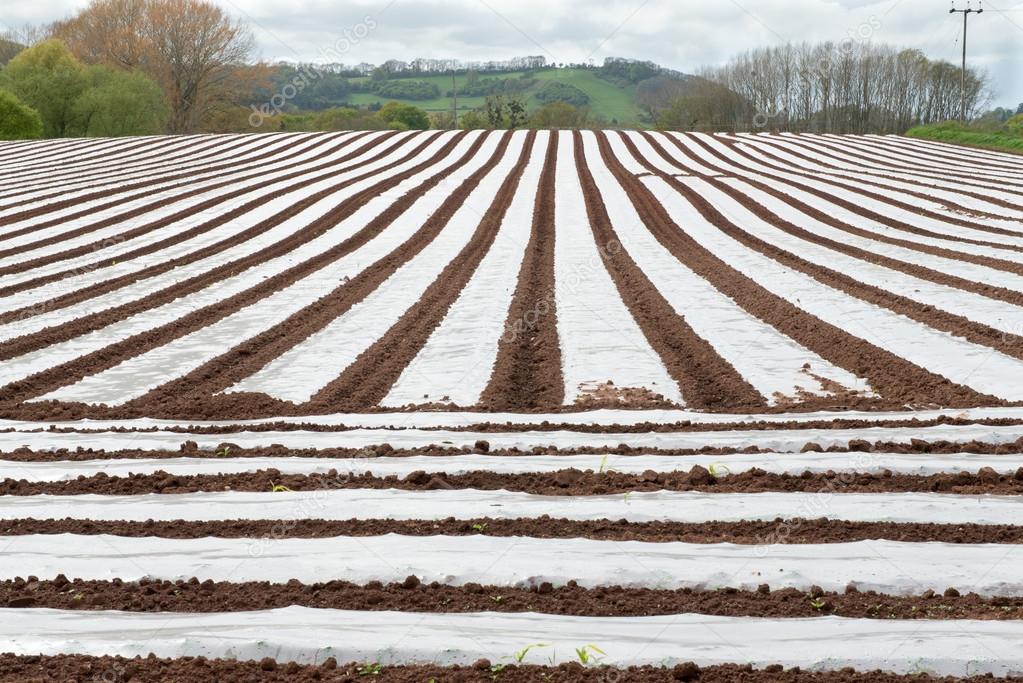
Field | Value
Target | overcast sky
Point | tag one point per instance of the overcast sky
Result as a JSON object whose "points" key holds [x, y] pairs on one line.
{"points": [[676, 33]]}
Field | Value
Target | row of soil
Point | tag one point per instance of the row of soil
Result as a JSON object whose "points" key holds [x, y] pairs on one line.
{"points": [[527, 370], [82, 668], [883, 186], [59, 333], [126, 218], [90, 157], [116, 353], [132, 177], [366, 382], [788, 531], [892, 201], [566, 482], [191, 449], [873, 216], [824, 217], [935, 152], [413, 595], [895, 379], [707, 381], [179, 397]]}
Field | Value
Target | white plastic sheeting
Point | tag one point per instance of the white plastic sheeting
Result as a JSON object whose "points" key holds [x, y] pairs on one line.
{"points": [[458, 358], [311, 635], [781, 440], [657, 506], [602, 416], [774, 364], [600, 340], [303, 370], [722, 465], [889, 567]]}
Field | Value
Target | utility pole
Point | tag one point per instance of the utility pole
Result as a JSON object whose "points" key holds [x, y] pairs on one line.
{"points": [[962, 77]]}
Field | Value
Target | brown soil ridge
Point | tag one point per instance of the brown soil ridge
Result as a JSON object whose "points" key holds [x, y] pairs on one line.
{"points": [[898, 381], [148, 227], [366, 381], [412, 595], [566, 482], [527, 370], [158, 172], [180, 396], [116, 353], [706, 380], [963, 222], [190, 449], [931, 316], [66, 668], [794, 531], [13, 348], [867, 176]]}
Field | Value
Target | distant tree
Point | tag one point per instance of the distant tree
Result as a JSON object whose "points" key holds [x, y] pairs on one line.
{"points": [[404, 115], [50, 80], [18, 121], [1019, 109], [1015, 125], [191, 48], [474, 120], [504, 112], [558, 115], [120, 103]]}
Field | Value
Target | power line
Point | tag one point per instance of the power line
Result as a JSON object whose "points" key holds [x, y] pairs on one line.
{"points": [[966, 14]]}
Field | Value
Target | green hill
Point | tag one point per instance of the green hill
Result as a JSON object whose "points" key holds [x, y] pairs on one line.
{"points": [[611, 100]]}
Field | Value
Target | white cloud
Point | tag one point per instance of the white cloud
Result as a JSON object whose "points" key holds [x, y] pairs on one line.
{"points": [[681, 35]]}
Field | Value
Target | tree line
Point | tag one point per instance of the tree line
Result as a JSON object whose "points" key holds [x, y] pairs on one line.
{"points": [[847, 87]]}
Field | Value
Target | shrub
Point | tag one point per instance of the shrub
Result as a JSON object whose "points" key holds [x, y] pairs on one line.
{"points": [[18, 121]]}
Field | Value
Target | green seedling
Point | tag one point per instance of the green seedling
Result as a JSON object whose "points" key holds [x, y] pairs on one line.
{"points": [[818, 604], [278, 488], [718, 469], [521, 654], [626, 496], [497, 598], [222, 453], [479, 527], [373, 669], [589, 654], [603, 469]]}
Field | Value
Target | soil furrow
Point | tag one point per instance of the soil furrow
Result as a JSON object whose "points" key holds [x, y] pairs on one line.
{"points": [[17, 346], [978, 333], [173, 218], [116, 353], [891, 201], [413, 595], [823, 216], [527, 370], [898, 381], [196, 393], [366, 382], [707, 381], [787, 531], [156, 172], [566, 482], [33, 668]]}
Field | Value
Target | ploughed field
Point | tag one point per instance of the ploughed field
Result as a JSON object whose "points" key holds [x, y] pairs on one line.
{"points": [[510, 406]]}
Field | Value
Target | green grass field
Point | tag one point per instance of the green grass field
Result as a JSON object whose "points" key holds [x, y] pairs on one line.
{"points": [[607, 100], [959, 135]]}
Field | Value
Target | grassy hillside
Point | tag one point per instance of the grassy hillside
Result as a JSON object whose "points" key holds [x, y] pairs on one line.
{"points": [[607, 100], [958, 134]]}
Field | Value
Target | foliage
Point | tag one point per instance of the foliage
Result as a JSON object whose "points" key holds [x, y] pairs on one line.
{"points": [[8, 49], [554, 91], [405, 115], [558, 115], [955, 132], [193, 49], [18, 121], [48, 79], [473, 120], [407, 90], [120, 103], [504, 112]]}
